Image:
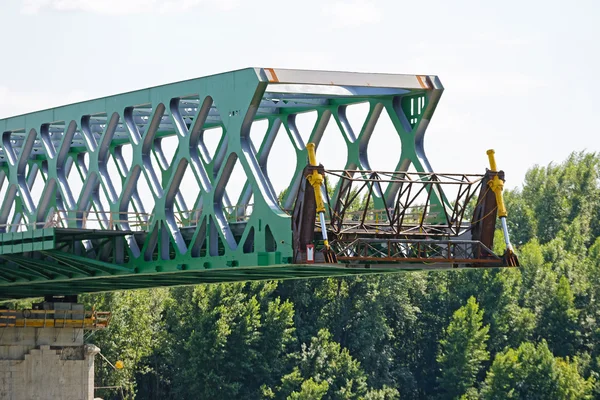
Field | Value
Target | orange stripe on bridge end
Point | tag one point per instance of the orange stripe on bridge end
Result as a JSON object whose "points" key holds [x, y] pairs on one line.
{"points": [[422, 81], [273, 77]]}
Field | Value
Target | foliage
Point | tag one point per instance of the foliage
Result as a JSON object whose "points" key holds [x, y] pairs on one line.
{"points": [[463, 350], [533, 372], [223, 337], [134, 333], [325, 360], [310, 390]]}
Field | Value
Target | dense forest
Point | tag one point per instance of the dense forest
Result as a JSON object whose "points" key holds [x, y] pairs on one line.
{"points": [[523, 333]]}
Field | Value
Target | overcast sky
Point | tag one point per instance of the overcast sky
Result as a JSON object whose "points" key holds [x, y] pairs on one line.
{"points": [[520, 76]]}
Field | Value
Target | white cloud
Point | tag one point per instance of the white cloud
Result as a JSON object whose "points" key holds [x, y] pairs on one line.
{"points": [[352, 13], [122, 7]]}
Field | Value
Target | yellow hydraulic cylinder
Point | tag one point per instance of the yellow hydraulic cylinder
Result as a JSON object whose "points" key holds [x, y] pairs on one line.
{"points": [[316, 180], [490, 153], [497, 185]]}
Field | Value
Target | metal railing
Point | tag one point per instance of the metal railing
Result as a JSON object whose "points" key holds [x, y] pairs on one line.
{"points": [[191, 218], [88, 220], [18, 227], [238, 213], [185, 219], [412, 215], [135, 221], [101, 220]]}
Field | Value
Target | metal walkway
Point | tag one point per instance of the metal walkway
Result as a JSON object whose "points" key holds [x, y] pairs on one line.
{"points": [[139, 189]]}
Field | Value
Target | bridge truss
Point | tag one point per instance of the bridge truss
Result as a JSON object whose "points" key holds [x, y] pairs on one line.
{"points": [[134, 190]]}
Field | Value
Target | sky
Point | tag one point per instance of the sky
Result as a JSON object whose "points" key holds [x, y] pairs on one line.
{"points": [[520, 76]]}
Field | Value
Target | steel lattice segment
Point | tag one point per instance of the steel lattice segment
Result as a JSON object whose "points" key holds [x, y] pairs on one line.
{"points": [[156, 166], [411, 212]]}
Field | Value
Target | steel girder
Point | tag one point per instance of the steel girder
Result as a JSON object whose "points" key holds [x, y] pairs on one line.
{"points": [[104, 164]]}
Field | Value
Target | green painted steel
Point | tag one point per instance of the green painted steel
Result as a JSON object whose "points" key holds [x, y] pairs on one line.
{"points": [[28, 241], [104, 166]]}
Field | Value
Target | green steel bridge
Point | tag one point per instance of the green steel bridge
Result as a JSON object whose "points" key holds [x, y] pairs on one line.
{"points": [[178, 184]]}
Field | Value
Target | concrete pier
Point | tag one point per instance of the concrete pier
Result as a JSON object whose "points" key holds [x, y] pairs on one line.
{"points": [[47, 372], [43, 355]]}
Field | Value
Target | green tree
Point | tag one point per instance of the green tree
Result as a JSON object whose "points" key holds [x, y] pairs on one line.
{"points": [[538, 278], [386, 393], [324, 360], [571, 384], [366, 315], [310, 390], [558, 322], [560, 193], [355, 313], [463, 350], [135, 331], [532, 372], [228, 340], [522, 223]]}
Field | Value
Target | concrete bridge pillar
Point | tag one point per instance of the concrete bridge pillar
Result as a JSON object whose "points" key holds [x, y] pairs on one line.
{"points": [[43, 355], [57, 370]]}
